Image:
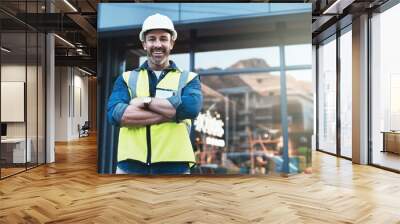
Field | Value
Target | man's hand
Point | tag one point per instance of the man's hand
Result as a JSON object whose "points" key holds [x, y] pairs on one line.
{"points": [[160, 110], [137, 102], [135, 116], [158, 105], [163, 107]]}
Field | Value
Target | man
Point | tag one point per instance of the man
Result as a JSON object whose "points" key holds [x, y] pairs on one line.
{"points": [[153, 105]]}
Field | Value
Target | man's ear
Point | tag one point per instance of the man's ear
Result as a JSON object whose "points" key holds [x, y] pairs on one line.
{"points": [[172, 44], [144, 45]]}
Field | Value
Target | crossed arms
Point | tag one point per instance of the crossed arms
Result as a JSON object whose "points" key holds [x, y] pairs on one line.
{"points": [[123, 111], [159, 110]]}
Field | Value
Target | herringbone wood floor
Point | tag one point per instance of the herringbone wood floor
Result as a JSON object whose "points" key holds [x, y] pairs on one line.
{"points": [[70, 191]]}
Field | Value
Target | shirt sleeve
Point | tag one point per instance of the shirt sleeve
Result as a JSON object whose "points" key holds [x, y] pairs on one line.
{"points": [[190, 102], [118, 101]]}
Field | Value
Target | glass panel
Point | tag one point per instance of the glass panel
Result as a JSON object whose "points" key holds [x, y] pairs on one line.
{"points": [[13, 87], [41, 99], [23, 87], [239, 129], [300, 108], [280, 7], [327, 97], [31, 98], [120, 15], [346, 94], [201, 11], [386, 89], [298, 54], [265, 57], [31, 85]]}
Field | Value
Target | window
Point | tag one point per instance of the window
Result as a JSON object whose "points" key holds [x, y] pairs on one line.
{"points": [[22, 68], [265, 57], [385, 88], [249, 104], [346, 94], [327, 97], [298, 54]]}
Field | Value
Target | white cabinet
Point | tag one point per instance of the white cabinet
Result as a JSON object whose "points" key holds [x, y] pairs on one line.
{"points": [[18, 149]]}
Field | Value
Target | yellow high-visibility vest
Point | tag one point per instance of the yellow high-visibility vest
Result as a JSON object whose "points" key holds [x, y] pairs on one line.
{"points": [[165, 142]]}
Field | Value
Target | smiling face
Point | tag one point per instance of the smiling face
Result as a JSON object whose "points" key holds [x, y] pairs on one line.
{"points": [[158, 45]]}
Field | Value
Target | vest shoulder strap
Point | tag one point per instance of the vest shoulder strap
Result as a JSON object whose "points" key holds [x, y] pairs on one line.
{"points": [[183, 80], [125, 76], [191, 76], [131, 78], [186, 77]]}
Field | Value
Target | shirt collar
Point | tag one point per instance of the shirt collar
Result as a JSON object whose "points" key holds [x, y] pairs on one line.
{"points": [[172, 66]]}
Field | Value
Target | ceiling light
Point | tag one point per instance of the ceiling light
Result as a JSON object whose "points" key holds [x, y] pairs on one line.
{"points": [[70, 5], [86, 72], [5, 50], [65, 41], [80, 51]]}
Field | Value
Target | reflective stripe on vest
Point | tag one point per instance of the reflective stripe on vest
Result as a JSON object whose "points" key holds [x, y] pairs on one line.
{"points": [[169, 141]]}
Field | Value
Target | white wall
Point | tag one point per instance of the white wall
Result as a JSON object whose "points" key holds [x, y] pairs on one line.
{"points": [[80, 105], [61, 103], [16, 73], [71, 94], [33, 126]]}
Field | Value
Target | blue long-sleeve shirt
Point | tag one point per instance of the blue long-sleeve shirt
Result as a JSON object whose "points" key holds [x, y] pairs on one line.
{"points": [[187, 107]]}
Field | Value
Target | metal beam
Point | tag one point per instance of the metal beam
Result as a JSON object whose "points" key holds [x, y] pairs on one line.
{"points": [[338, 6], [320, 23], [84, 61], [252, 70], [86, 26], [42, 22], [284, 114]]}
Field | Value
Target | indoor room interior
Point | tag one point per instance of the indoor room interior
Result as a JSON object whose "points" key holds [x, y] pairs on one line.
{"points": [[342, 76]]}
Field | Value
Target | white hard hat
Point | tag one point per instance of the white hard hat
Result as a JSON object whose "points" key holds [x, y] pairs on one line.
{"points": [[157, 21]]}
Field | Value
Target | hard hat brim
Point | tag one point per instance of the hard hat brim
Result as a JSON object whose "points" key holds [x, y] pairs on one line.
{"points": [[141, 34]]}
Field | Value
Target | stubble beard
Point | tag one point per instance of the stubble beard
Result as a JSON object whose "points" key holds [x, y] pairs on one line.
{"points": [[160, 63]]}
